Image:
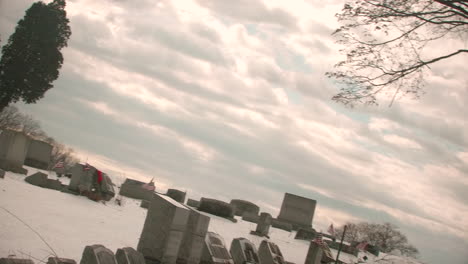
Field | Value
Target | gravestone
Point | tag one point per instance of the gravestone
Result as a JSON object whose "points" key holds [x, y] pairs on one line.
{"points": [[269, 253], [314, 254], [177, 195], [97, 254], [216, 207], [135, 189], [242, 206], [15, 261], [243, 251], [128, 255], [263, 226], [193, 203], [2, 174], [38, 154], [297, 210], [214, 250], [163, 230], [13, 148], [55, 260], [249, 217], [194, 238]]}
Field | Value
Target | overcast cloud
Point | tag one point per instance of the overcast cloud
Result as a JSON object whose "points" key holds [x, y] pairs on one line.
{"points": [[229, 100]]}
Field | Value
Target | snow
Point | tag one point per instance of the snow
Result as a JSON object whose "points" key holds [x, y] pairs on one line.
{"points": [[68, 223]]}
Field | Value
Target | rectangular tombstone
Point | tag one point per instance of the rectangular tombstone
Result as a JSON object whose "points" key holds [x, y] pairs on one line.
{"points": [[38, 154], [55, 260], [128, 255], [314, 254], [194, 238], [15, 261], [269, 253], [163, 230], [263, 226], [97, 254], [13, 148], [193, 203], [298, 211], [134, 189], [243, 251], [2, 174]]}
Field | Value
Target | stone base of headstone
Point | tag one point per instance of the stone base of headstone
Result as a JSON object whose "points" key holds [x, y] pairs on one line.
{"points": [[55, 260], [67, 190], [129, 255], [97, 254], [281, 225], [15, 261], [305, 234], [2, 174]]}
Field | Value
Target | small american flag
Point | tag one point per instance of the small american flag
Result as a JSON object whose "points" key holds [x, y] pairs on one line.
{"points": [[318, 239], [59, 165]]}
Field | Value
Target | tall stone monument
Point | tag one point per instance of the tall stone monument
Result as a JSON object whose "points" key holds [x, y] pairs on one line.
{"points": [[163, 230]]}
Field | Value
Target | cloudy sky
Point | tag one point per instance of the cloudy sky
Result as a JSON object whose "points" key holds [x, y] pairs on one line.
{"points": [[228, 99]]}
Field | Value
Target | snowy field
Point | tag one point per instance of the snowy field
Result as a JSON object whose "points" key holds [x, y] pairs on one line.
{"points": [[68, 223]]}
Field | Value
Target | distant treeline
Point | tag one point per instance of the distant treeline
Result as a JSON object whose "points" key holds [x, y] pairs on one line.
{"points": [[12, 118]]}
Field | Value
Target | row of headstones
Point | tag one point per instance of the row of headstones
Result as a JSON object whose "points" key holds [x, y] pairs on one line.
{"points": [[94, 254], [176, 234]]}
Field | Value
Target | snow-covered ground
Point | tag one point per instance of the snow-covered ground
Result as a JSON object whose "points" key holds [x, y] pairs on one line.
{"points": [[68, 223]]}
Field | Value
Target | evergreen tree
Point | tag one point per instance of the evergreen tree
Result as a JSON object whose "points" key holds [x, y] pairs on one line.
{"points": [[31, 58]]}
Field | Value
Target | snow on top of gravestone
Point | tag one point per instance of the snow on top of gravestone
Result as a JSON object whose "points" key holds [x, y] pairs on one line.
{"points": [[172, 201]]}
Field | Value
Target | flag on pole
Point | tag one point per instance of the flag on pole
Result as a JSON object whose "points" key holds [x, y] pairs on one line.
{"points": [[331, 230], [59, 165]]}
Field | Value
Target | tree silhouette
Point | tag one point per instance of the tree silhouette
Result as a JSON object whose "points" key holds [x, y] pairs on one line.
{"points": [[31, 58], [386, 45]]}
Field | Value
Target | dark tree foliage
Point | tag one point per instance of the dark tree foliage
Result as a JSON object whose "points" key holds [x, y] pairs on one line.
{"points": [[31, 58], [385, 236], [385, 41]]}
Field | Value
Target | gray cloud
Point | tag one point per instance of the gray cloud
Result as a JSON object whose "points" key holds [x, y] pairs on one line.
{"points": [[251, 11]]}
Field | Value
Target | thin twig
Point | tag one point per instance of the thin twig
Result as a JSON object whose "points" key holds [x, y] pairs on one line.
{"points": [[37, 233]]}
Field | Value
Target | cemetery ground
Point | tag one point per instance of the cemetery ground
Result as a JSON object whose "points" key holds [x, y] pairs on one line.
{"points": [[69, 223]]}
